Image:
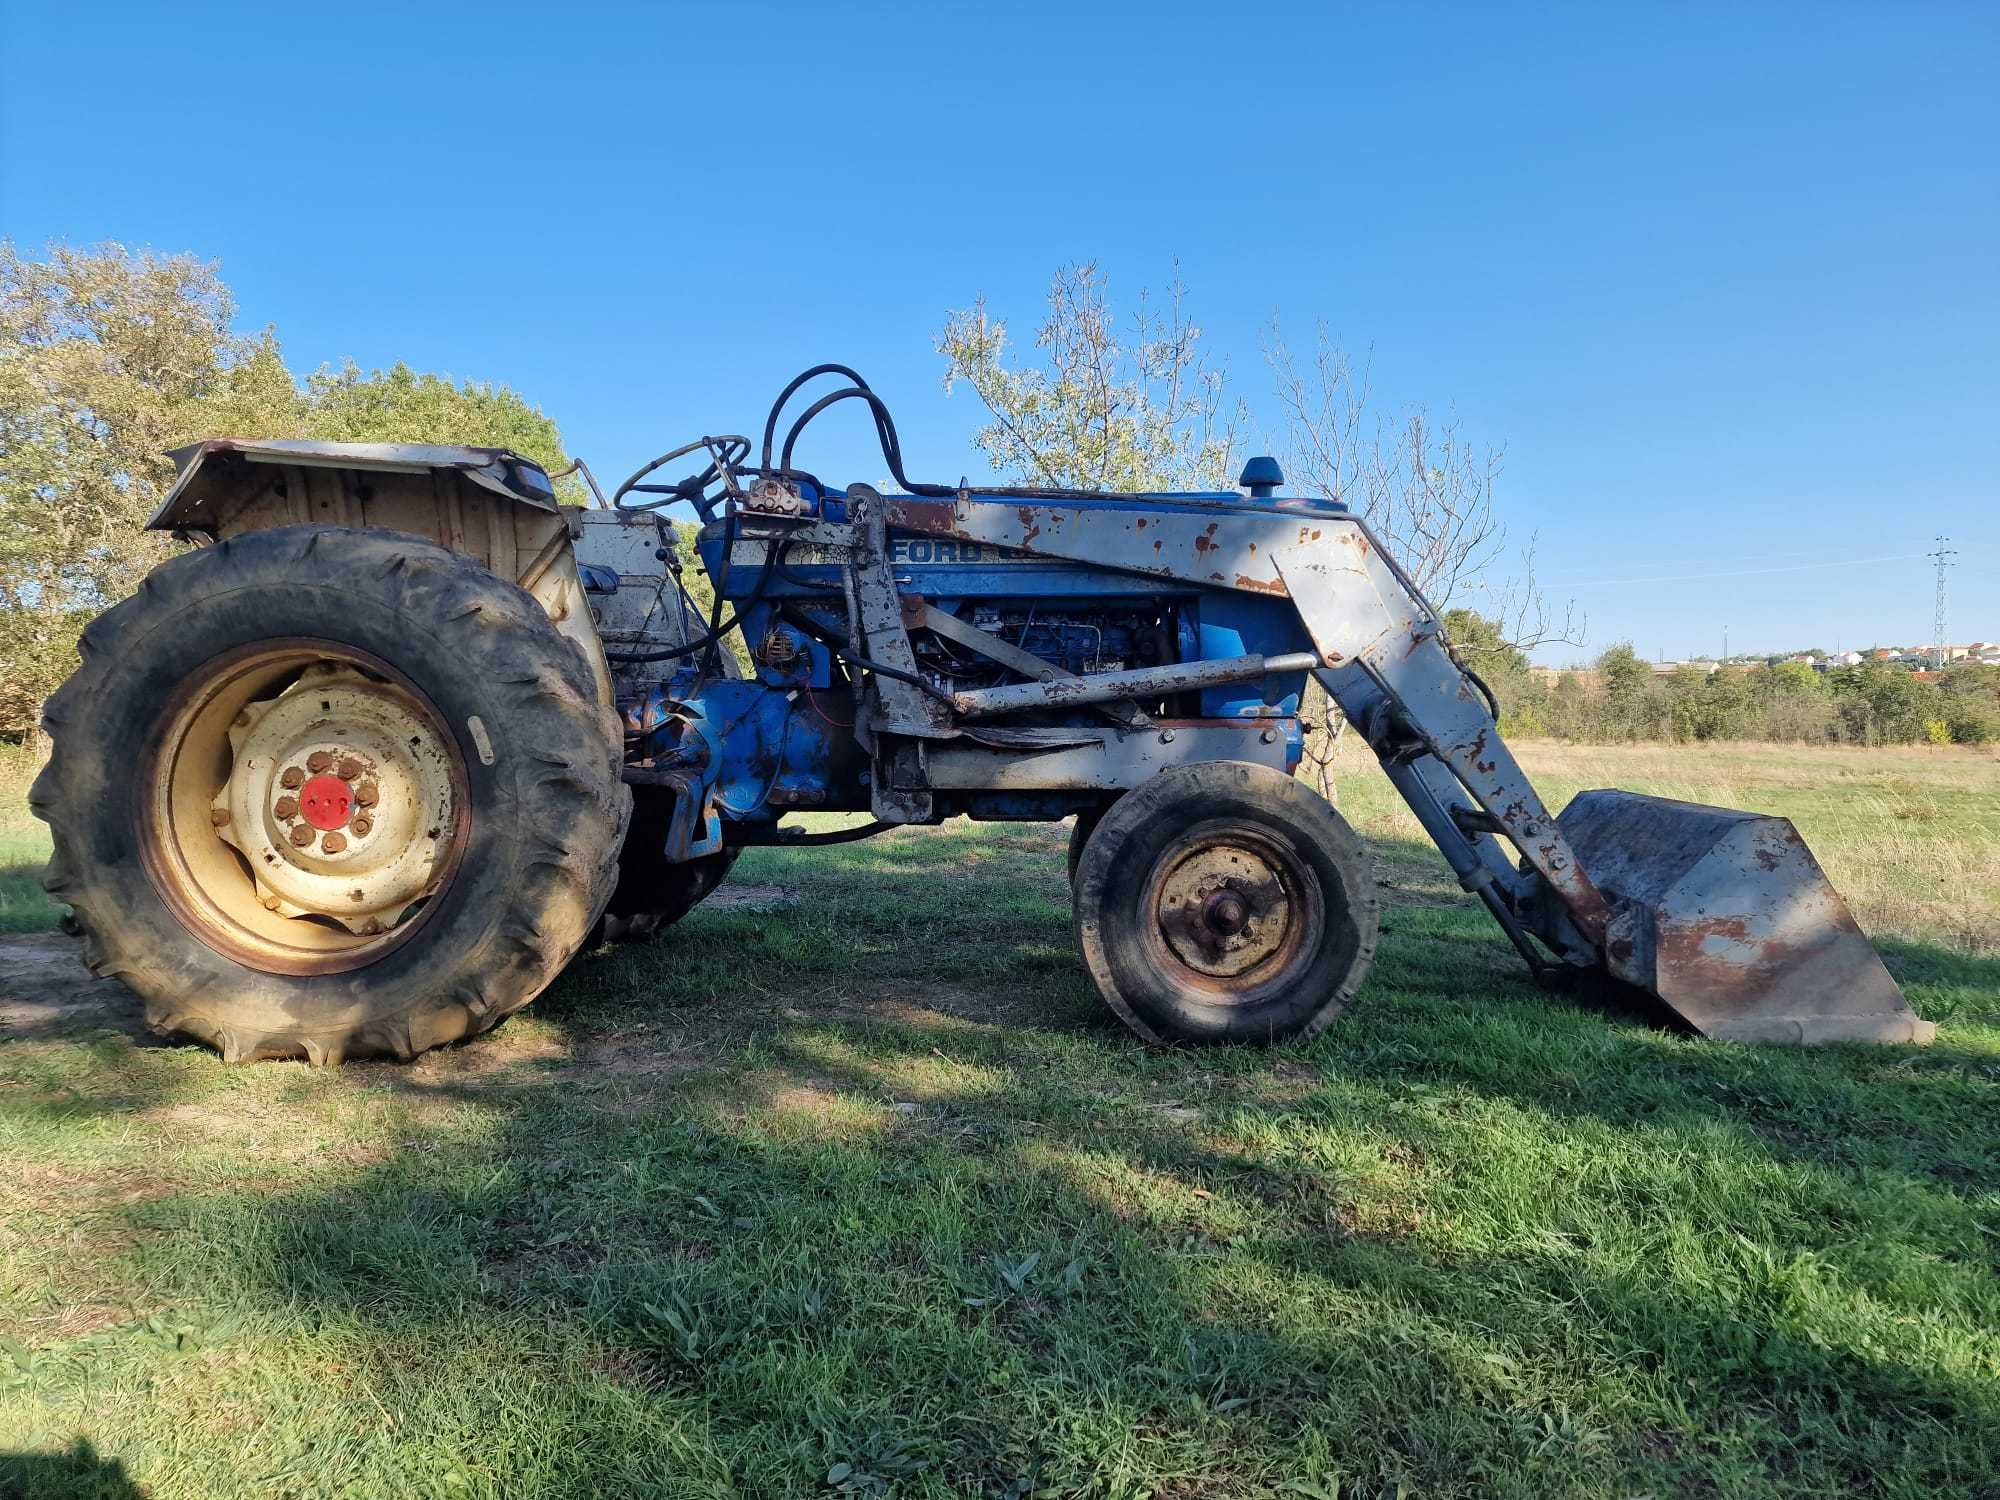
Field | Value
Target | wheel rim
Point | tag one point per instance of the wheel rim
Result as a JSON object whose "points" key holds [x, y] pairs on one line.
{"points": [[1234, 910], [305, 807]]}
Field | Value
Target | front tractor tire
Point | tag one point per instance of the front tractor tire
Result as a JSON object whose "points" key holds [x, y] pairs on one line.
{"points": [[1224, 902], [330, 793]]}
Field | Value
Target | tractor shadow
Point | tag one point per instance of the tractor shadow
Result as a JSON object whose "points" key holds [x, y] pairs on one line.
{"points": [[776, 1180], [75, 1474]]}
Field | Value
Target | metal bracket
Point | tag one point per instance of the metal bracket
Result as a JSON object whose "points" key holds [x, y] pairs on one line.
{"points": [[916, 612], [886, 710]]}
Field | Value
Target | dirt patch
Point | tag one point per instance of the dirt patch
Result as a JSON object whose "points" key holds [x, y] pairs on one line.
{"points": [[45, 991], [727, 897]]}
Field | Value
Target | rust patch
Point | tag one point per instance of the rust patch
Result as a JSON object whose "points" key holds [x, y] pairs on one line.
{"points": [[1275, 586], [1718, 958]]}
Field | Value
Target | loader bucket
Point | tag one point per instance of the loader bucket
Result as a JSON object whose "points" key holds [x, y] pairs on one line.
{"points": [[1727, 917]]}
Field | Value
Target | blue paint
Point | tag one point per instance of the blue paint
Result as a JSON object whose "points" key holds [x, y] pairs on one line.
{"points": [[782, 741]]}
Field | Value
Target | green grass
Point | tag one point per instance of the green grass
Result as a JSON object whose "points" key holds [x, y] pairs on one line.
{"points": [[24, 846], [868, 1196]]}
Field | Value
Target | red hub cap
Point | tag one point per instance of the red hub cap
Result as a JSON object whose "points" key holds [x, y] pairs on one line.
{"points": [[325, 802]]}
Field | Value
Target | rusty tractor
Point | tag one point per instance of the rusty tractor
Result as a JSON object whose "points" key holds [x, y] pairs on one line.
{"points": [[365, 768]]}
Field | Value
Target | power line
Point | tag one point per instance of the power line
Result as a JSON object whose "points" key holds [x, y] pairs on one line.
{"points": [[1846, 562], [1942, 556]]}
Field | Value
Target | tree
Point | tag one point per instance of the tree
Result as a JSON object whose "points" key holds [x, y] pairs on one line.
{"points": [[398, 405], [1143, 410], [1138, 410], [108, 358], [1790, 679], [1420, 485], [1627, 681], [1724, 707]]}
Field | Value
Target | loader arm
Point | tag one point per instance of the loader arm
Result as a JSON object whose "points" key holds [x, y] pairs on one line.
{"points": [[1723, 915]]}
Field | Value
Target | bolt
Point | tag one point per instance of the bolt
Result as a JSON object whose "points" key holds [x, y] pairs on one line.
{"points": [[243, 718], [1166, 736], [361, 824], [1269, 736], [301, 836], [270, 903], [350, 768], [333, 843], [1227, 913], [219, 816], [286, 808], [318, 761], [292, 779]]}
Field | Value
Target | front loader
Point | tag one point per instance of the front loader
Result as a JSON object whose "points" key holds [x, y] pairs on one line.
{"points": [[365, 769]]}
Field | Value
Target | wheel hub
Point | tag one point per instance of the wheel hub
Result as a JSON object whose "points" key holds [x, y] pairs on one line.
{"points": [[339, 796], [324, 802], [1224, 907]]}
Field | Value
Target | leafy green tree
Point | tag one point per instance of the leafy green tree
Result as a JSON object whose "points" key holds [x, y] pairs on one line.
{"points": [[1096, 407], [109, 357], [1791, 679], [1970, 695], [1627, 683], [399, 405], [1724, 706], [1682, 696]]}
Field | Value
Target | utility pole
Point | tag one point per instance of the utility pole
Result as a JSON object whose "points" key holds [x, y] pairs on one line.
{"points": [[1942, 556]]}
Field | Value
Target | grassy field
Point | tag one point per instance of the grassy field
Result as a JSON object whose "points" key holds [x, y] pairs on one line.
{"points": [[866, 1195]]}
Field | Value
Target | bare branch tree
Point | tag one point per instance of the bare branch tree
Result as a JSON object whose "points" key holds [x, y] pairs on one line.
{"points": [[1424, 489]]}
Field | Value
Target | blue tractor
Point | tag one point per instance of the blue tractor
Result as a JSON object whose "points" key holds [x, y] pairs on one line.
{"points": [[365, 768]]}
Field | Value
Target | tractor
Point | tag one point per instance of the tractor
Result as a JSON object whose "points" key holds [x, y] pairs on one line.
{"points": [[360, 772]]}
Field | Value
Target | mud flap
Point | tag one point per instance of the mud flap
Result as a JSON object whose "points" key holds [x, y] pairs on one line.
{"points": [[1727, 917]]}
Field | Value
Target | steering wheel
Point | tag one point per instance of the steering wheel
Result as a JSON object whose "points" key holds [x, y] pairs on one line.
{"points": [[725, 454]]}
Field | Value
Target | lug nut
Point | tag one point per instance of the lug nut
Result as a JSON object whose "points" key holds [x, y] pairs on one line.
{"points": [[350, 768], [270, 903], [243, 718], [301, 836], [218, 816], [318, 761], [333, 843], [292, 779], [361, 824], [367, 794], [286, 808]]}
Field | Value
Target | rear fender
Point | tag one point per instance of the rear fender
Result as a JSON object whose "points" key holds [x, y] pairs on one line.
{"points": [[491, 504]]}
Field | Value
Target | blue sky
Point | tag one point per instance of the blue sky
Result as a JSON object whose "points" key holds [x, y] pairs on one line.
{"points": [[1724, 281]]}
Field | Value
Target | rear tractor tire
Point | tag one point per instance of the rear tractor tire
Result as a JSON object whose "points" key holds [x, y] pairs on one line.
{"points": [[1225, 902], [330, 793]]}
